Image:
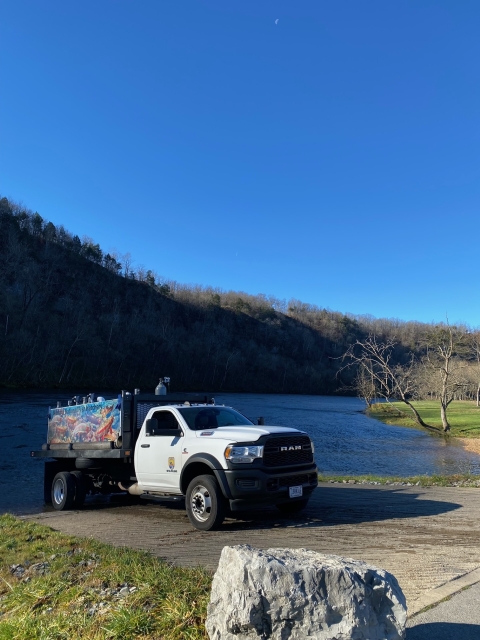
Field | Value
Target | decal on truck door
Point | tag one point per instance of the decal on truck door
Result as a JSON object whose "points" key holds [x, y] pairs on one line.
{"points": [[171, 466]]}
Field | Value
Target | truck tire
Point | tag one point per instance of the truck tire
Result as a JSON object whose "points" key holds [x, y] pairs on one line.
{"points": [[80, 489], [292, 507], [63, 491], [205, 504]]}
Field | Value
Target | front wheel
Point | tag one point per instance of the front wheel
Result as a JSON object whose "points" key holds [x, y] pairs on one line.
{"points": [[205, 504], [292, 507], [63, 491]]}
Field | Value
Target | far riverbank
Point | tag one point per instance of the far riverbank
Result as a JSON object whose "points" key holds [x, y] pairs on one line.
{"points": [[463, 416]]}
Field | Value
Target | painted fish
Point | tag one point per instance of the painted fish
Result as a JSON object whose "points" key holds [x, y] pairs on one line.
{"points": [[72, 421], [80, 431], [106, 411], [105, 430]]}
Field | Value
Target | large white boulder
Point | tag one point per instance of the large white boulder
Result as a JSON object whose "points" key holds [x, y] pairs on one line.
{"points": [[297, 594]]}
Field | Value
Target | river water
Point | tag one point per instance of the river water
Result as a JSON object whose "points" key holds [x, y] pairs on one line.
{"points": [[346, 441]]}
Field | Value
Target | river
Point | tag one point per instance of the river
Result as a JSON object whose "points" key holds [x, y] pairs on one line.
{"points": [[346, 441]]}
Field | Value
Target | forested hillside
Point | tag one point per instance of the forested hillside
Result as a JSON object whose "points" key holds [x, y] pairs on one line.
{"points": [[73, 316]]}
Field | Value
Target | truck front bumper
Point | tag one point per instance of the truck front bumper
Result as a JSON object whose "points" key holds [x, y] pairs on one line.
{"points": [[251, 487]]}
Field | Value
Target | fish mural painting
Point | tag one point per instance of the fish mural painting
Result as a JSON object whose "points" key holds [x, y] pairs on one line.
{"points": [[91, 422]]}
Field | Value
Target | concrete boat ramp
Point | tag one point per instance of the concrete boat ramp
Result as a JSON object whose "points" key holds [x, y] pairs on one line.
{"points": [[429, 538]]}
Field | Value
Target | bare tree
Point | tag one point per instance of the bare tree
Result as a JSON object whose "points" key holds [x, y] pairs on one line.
{"points": [[446, 346], [474, 344], [364, 385], [390, 381]]}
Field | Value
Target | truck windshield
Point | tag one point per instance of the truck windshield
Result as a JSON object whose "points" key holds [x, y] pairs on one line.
{"points": [[199, 418]]}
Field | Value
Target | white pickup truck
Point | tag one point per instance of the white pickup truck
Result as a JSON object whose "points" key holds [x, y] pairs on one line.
{"points": [[183, 446]]}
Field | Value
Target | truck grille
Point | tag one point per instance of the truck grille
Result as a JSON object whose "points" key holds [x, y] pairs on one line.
{"points": [[288, 450]]}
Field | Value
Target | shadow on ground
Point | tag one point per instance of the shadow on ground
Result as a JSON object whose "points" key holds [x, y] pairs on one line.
{"points": [[339, 504], [329, 506], [348, 505], [444, 631]]}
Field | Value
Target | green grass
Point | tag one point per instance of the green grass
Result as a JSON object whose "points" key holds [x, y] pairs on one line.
{"points": [[463, 416], [77, 597], [459, 479]]}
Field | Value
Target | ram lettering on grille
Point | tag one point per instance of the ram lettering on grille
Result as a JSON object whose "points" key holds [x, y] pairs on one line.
{"points": [[287, 450]]}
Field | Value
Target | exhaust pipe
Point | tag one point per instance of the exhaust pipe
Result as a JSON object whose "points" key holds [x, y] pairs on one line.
{"points": [[133, 489]]}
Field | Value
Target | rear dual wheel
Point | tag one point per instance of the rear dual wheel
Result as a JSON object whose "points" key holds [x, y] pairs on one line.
{"points": [[68, 490], [80, 489]]}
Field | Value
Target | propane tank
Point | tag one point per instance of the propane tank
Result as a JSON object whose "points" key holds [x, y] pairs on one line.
{"points": [[160, 389]]}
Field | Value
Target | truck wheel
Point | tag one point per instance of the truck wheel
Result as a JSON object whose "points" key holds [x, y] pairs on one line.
{"points": [[63, 491], [292, 507], [80, 489], [205, 503]]}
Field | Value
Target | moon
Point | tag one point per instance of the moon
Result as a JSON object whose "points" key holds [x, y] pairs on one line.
{"points": [[276, 21]]}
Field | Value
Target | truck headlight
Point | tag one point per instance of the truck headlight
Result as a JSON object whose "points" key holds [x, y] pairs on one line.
{"points": [[238, 454]]}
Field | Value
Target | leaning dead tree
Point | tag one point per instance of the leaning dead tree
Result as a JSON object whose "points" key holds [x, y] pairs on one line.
{"points": [[378, 373]]}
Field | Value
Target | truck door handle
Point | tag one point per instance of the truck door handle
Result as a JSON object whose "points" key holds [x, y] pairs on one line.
{"points": [[144, 446]]}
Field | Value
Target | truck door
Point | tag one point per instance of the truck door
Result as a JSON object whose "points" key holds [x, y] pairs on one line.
{"points": [[158, 457]]}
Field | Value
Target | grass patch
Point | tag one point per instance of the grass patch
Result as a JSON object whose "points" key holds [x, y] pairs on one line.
{"points": [[457, 480], [57, 587], [463, 415]]}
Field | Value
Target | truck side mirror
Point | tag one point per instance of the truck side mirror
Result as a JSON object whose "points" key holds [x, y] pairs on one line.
{"points": [[151, 426]]}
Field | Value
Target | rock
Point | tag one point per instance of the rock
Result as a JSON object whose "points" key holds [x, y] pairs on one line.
{"points": [[295, 594], [17, 570], [41, 568]]}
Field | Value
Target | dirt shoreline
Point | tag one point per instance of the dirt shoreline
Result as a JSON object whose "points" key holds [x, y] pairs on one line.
{"points": [[470, 444]]}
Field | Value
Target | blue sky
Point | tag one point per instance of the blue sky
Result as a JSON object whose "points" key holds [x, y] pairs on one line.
{"points": [[331, 157]]}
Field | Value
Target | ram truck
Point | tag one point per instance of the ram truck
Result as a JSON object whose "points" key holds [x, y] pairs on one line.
{"points": [[179, 447]]}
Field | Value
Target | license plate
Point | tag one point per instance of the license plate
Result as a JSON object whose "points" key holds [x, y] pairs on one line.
{"points": [[295, 492]]}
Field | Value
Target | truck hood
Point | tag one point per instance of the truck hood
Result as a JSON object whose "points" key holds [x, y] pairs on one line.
{"points": [[244, 433]]}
